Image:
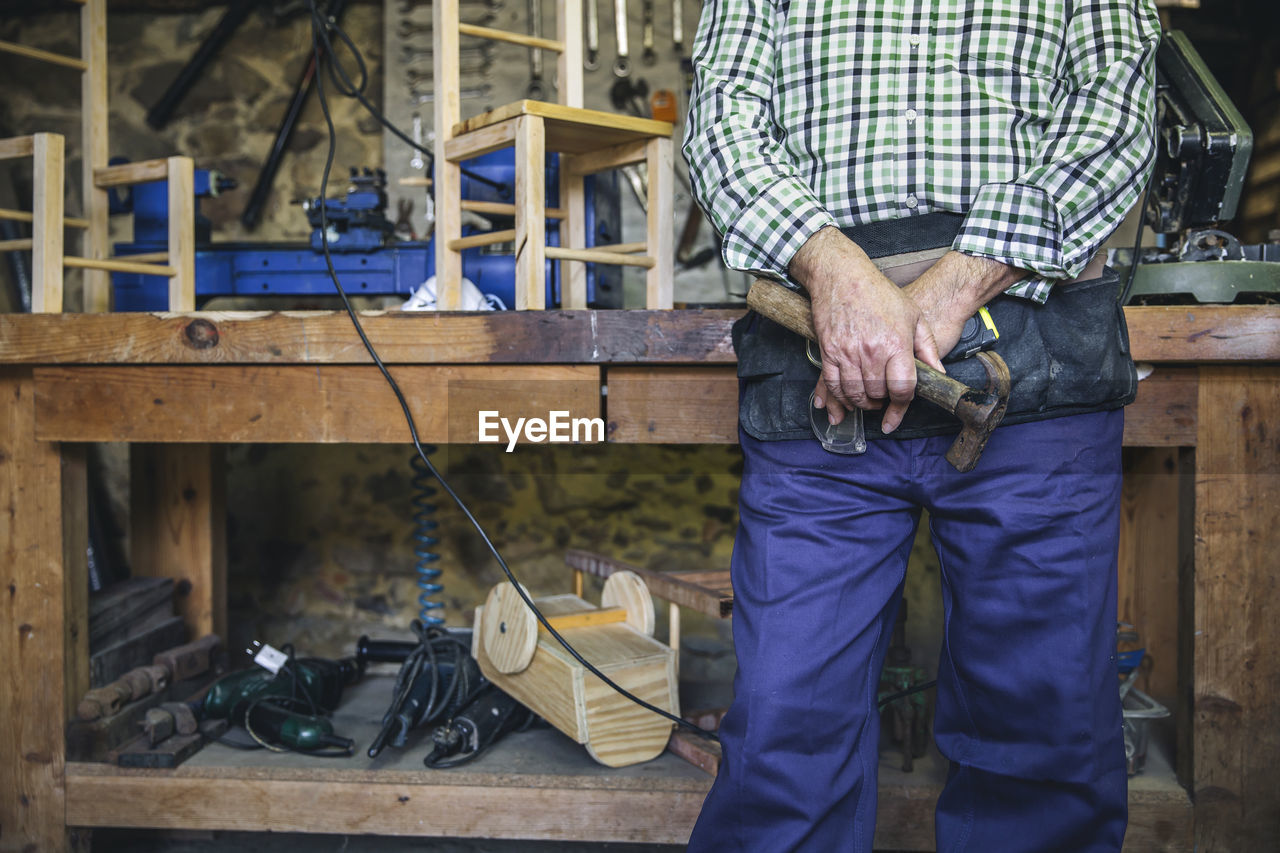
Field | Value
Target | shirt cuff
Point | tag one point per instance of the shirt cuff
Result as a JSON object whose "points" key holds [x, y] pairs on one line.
{"points": [[1016, 224], [769, 231]]}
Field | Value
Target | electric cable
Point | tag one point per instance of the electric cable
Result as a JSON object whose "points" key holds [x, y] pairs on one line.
{"points": [[1137, 244], [320, 24]]}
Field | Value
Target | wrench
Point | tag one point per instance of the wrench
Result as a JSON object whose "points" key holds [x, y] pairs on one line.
{"points": [[477, 54], [417, 163], [536, 90], [592, 60], [677, 25], [621, 65], [647, 38]]}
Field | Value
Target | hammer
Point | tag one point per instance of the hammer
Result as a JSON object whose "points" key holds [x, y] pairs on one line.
{"points": [[980, 412]]}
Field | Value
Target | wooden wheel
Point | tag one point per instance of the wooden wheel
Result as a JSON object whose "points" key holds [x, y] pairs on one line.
{"points": [[629, 591], [509, 630]]}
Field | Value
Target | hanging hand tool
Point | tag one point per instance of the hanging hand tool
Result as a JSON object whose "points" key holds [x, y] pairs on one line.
{"points": [[621, 65], [979, 412], [592, 60], [158, 116], [677, 26], [648, 55], [252, 214], [536, 90]]}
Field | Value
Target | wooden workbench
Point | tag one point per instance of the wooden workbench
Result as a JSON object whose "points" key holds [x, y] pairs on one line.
{"points": [[178, 386]]}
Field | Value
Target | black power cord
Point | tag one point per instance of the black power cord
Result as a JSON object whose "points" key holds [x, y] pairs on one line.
{"points": [[321, 26]]}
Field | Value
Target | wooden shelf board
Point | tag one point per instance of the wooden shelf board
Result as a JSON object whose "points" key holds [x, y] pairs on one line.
{"points": [[574, 130], [535, 785], [1203, 334]]}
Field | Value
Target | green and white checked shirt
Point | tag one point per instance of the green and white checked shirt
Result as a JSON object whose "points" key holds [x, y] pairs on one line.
{"points": [[1033, 117]]}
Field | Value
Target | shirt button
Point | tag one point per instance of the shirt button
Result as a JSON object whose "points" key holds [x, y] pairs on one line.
{"points": [[914, 38], [911, 202], [911, 115]]}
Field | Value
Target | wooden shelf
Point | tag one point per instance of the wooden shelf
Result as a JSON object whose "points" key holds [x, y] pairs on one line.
{"points": [[533, 785]]}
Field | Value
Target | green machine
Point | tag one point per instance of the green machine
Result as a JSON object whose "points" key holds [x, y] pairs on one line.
{"points": [[1202, 155]]}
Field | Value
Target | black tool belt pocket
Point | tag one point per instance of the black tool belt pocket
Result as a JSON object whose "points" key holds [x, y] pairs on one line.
{"points": [[1067, 356]]}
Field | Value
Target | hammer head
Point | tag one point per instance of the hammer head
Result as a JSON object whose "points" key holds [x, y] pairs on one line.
{"points": [[980, 413]]}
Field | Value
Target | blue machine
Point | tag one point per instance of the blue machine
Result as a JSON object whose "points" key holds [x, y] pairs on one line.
{"points": [[366, 253]]}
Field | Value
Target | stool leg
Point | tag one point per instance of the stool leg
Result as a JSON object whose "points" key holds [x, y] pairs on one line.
{"points": [[448, 227], [573, 234], [531, 204], [182, 238], [46, 227], [659, 236]]}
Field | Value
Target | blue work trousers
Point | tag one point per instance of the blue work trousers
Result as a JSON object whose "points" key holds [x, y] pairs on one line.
{"points": [[1027, 707]]}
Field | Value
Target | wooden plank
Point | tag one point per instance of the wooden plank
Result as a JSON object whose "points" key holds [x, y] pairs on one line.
{"points": [[572, 129], [158, 632], [569, 62], [182, 237], [94, 153], [687, 336], [46, 230], [672, 404], [43, 593], [531, 227], [1205, 333], [660, 233], [528, 811], [512, 38], [128, 174], [1164, 413], [16, 147], [482, 140], [1149, 560], [573, 231], [43, 55], [601, 256], [177, 527], [299, 404], [448, 175], [25, 216], [112, 611], [707, 592], [1236, 635]]}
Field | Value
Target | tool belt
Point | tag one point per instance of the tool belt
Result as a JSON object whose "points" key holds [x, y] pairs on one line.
{"points": [[1067, 356]]}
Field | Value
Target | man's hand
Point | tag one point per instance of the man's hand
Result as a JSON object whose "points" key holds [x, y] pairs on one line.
{"points": [[869, 331], [954, 288]]}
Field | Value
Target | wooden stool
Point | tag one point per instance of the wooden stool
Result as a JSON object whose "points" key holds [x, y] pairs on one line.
{"points": [[588, 141]]}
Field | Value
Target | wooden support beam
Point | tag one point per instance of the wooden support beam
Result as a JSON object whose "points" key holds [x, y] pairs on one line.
{"points": [[488, 238], [1236, 750], [44, 615], [143, 258], [19, 245], [298, 404], [573, 233], [606, 159], [512, 38], [182, 237], [112, 265], [660, 233], [480, 141], [16, 147], [46, 228], [94, 154], [178, 527], [24, 216], [128, 174], [600, 256], [448, 175], [43, 55], [531, 226], [569, 63], [502, 209]]}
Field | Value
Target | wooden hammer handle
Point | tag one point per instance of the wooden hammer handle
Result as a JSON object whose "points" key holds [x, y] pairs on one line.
{"points": [[791, 309]]}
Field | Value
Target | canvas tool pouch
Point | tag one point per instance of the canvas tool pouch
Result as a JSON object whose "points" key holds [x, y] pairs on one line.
{"points": [[1067, 356]]}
